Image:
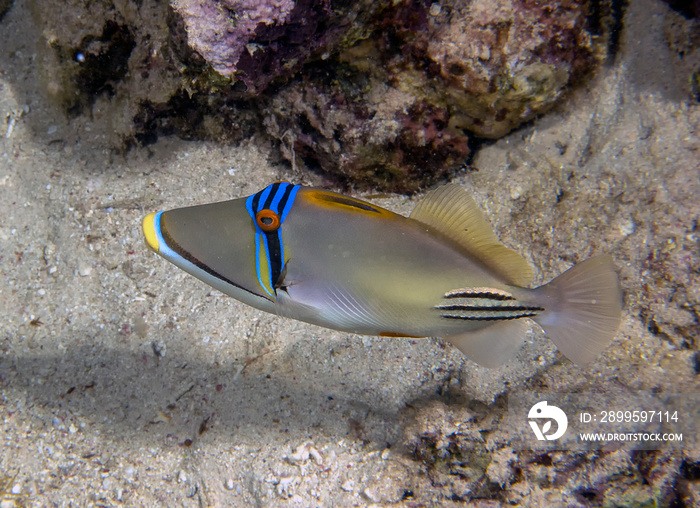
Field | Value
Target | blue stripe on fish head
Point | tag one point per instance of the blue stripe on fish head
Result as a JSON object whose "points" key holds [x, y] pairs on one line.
{"points": [[272, 204]]}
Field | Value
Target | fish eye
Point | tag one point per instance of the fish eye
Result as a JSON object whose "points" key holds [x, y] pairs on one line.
{"points": [[267, 220]]}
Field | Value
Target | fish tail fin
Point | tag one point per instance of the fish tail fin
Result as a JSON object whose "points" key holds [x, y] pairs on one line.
{"points": [[583, 308]]}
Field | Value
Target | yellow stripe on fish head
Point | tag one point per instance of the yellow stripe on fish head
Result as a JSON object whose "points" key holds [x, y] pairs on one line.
{"points": [[264, 267]]}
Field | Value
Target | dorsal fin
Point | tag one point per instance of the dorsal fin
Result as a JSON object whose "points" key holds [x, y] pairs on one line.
{"points": [[451, 211]]}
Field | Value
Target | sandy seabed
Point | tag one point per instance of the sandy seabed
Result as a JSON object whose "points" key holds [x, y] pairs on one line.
{"points": [[126, 382]]}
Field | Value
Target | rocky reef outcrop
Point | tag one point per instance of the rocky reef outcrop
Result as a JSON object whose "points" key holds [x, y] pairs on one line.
{"points": [[386, 94]]}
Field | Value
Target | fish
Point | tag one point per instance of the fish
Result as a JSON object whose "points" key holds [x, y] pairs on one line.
{"points": [[346, 264]]}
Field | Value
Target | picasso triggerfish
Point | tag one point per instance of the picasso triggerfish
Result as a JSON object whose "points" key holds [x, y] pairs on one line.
{"points": [[349, 265]]}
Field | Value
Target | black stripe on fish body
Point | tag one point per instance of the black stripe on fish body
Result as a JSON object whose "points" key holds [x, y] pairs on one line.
{"points": [[285, 197], [488, 318], [256, 202], [488, 310], [274, 251], [273, 192], [488, 293]]}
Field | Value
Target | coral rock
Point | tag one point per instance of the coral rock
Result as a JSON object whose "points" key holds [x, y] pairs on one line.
{"points": [[396, 108], [254, 42], [380, 94]]}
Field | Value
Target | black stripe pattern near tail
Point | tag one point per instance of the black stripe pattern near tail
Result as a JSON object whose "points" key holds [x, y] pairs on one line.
{"points": [[484, 304]]}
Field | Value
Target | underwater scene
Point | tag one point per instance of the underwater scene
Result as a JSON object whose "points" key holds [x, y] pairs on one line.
{"points": [[322, 253]]}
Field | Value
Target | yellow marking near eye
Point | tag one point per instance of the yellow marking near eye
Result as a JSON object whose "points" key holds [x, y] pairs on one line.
{"points": [[149, 231], [265, 269]]}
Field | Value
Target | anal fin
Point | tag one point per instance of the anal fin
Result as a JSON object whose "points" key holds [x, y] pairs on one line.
{"points": [[491, 346]]}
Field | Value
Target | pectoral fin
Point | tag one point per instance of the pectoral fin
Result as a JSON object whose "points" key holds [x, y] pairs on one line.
{"points": [[322, 302], [491, 346], [281, 282]]}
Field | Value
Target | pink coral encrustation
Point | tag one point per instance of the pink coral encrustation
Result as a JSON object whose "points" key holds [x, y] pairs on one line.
{"points": [[221, 31]]}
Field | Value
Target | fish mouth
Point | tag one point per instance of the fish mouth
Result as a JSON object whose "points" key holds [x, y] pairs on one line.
{"points": [[151, 226]]}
